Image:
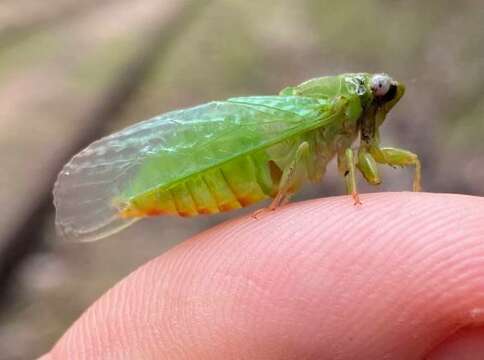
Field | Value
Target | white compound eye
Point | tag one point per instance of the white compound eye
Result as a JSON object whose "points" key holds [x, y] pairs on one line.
{"points": [[380, 84]]}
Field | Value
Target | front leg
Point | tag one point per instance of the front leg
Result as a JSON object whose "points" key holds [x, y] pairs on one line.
{"points": [[399, 157]]}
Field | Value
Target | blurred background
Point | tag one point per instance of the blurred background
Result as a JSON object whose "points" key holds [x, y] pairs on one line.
{"points": [[72, 71]]}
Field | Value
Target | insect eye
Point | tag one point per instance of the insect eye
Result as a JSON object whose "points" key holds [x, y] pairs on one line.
{"points": [[380, 84]]}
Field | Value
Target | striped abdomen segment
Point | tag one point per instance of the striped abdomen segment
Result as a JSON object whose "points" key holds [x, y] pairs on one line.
{"points": [[235, 184]]}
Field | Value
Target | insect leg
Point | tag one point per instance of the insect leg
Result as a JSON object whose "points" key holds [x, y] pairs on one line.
{"points": [[346, 165], [290, 177], [399, 157], [367, 166]]}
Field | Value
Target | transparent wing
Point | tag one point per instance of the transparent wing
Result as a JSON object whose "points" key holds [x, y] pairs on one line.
{"points": [[166, 149]]}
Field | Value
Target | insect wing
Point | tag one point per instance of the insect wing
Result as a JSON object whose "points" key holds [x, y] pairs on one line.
{"points": [[167, 149]]}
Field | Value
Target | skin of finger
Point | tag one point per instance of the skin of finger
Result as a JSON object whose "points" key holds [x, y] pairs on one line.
{"points": [[466, 344], [321, 279]]}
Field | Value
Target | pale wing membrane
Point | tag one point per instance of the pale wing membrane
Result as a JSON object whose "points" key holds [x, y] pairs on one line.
{"points": [[166, 149]]}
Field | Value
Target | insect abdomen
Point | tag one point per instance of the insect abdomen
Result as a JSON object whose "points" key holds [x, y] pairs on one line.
{"points": [[235, 184]]}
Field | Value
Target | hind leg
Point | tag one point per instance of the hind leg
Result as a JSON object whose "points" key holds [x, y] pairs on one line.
{"points": [[291, 177]]}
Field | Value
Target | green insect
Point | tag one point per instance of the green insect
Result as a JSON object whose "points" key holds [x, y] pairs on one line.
{"points": [[229, 154]]}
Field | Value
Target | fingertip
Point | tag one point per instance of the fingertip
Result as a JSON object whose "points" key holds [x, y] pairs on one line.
{"points": [[314, 279]]}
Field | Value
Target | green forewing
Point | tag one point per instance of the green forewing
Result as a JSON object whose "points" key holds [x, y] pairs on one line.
{"points": [[211, 134], [168, 148]]}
